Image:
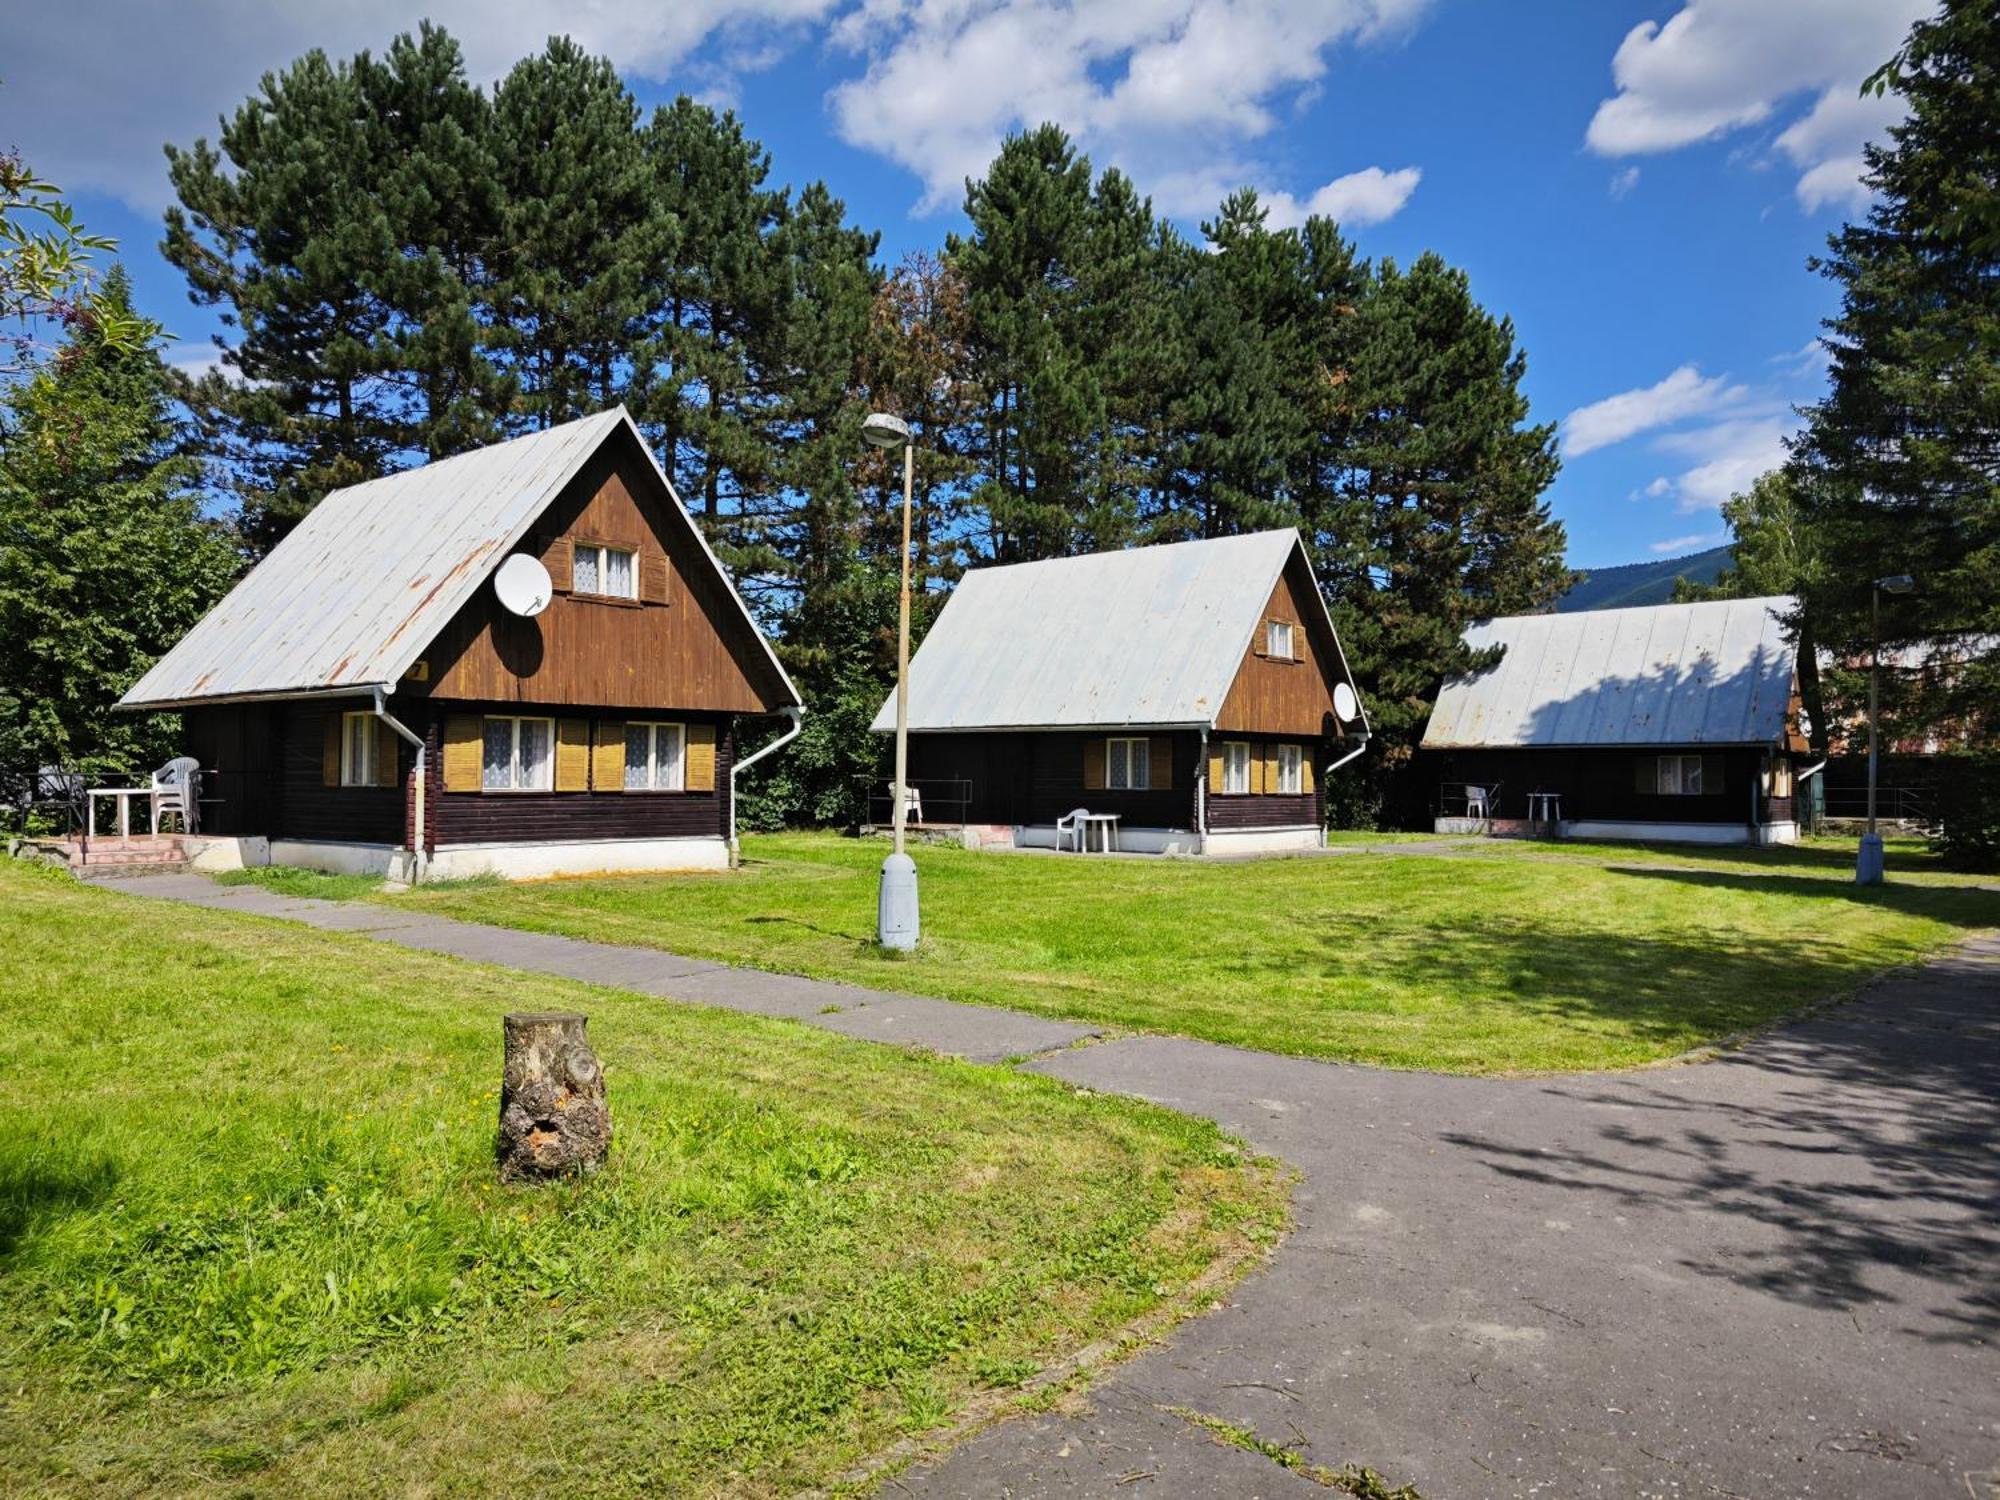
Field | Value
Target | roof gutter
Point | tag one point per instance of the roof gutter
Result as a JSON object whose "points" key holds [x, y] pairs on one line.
{"points": [[292, 695], [419, 858], [797, 714]]}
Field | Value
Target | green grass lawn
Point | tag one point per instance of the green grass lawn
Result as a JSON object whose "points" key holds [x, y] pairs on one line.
{"points": [[251, 1240], [1504, 957]]}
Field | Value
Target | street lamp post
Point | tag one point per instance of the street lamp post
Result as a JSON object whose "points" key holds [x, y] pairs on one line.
{"points": [[1869, 862], [896, 920]]}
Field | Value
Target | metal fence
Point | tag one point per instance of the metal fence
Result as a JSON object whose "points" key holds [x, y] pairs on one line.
{"points": [[936, 802], [1908, 806]]}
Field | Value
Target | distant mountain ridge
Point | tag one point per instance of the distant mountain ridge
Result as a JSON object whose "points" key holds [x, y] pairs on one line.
{"points": [[1634, 584]]}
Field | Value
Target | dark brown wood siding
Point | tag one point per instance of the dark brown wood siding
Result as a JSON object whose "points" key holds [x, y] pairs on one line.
{"points": [[310, 809], [524, 817], [237, 745], [1602, 784], [1021, 778], [1295, 698], [685, 642]]}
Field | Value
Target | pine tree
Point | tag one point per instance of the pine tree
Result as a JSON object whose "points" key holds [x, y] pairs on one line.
{"points": [[1901, 462], [1441, 485], [1040, 245], [105, 559], [578, 225]]}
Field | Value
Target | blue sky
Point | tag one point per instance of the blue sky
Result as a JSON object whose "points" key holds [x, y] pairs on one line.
{"points": [[1638, 185]]}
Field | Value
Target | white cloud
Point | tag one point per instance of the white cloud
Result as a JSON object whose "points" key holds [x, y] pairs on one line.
{"points": [[100, 113], [1660, 485], [1365, 197], [1719, 66], [193, 360], [1698, 541], [1623, 181], [1171, 91], [1685, 393], [1733, 454]]}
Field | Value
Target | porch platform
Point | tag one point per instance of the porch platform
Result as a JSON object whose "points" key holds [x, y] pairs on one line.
{"points": [[138, 854]]}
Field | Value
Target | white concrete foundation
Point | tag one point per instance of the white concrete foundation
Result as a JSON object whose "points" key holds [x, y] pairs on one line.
{"points": [[586, 857], [1130, 840], [1287, 840], [1264, 840], [535, 861], [1682, 833], [218, 854]]}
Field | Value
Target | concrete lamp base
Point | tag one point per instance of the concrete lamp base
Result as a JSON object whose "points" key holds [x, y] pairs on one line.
{"points": [[1868, 865], [896, 924]]}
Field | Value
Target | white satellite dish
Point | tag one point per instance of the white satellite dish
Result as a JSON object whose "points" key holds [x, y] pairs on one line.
{"points": [[522, 585], [1345, 705]]}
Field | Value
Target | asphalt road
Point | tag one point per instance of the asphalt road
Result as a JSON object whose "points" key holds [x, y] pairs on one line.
{"points": [[1772, 1274]]}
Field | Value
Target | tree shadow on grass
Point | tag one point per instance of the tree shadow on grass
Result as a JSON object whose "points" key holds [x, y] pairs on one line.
{"points": [[1846, 1162], [1970, 907], [34, 1192]]}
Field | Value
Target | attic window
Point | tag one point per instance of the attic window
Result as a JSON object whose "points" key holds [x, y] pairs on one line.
{"points": [[1278, 639], [610, 571]]}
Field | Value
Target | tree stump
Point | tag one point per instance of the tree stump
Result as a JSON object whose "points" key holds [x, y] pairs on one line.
{"points": [[554, 1120]]}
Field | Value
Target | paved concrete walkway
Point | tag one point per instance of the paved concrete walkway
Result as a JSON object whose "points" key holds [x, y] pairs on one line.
{"points": [[1777, 1274]]}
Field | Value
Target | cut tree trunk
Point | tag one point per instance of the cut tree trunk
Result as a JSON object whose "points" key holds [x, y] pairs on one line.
{"points": [[554, 1120]]}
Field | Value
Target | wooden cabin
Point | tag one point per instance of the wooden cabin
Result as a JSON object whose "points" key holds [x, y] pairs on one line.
{"points": [[1192, 690], [1677, 722], [366, 700]]}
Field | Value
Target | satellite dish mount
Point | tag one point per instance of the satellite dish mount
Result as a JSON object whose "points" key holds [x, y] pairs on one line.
{"points": [[522, 585]]}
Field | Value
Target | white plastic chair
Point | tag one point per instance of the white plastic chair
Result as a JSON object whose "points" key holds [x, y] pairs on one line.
{"points": [[913, 803], [1475, 801], [174, 792], [1073, 822]]}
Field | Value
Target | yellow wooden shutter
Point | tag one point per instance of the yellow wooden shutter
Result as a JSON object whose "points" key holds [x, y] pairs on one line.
{"points": [[1217, 775], [329, 752], [1306, 770], [464, 751], [1160, 764], [572, 755], [556, 557], [387, 742], [701, 757], [653, 577], [607, 756], [1093, 765], [1264, 775]]}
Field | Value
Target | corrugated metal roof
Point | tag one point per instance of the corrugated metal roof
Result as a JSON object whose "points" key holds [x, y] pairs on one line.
{"points": [[1718, 673], [353, 595], [1151, 636]]}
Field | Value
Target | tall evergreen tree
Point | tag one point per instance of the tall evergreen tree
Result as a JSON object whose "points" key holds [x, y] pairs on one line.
{"points": [[1043, 268], [1440, 512], [1901, 461], [105, 559], [578, 224]]}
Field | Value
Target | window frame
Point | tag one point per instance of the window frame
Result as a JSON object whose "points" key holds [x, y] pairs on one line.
{"points": [[1231, 767], [1291, 770], [1680, 788], [602, 566], [653, 728], [1142, 756], [514, 759], [367, 741], [1271, 629]]}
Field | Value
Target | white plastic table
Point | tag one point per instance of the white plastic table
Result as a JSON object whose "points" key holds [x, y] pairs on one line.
{"points": [[124, 794], [1107, 827], [1545, 807]]}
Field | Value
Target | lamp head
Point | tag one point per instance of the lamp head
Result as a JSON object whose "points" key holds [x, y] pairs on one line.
{"points": [[881, 430], [1899, 583]]}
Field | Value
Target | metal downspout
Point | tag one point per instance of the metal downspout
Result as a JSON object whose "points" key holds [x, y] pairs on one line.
{"points": [[798, 717], [1201, 793], [419, 856], [1363, 745]]}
